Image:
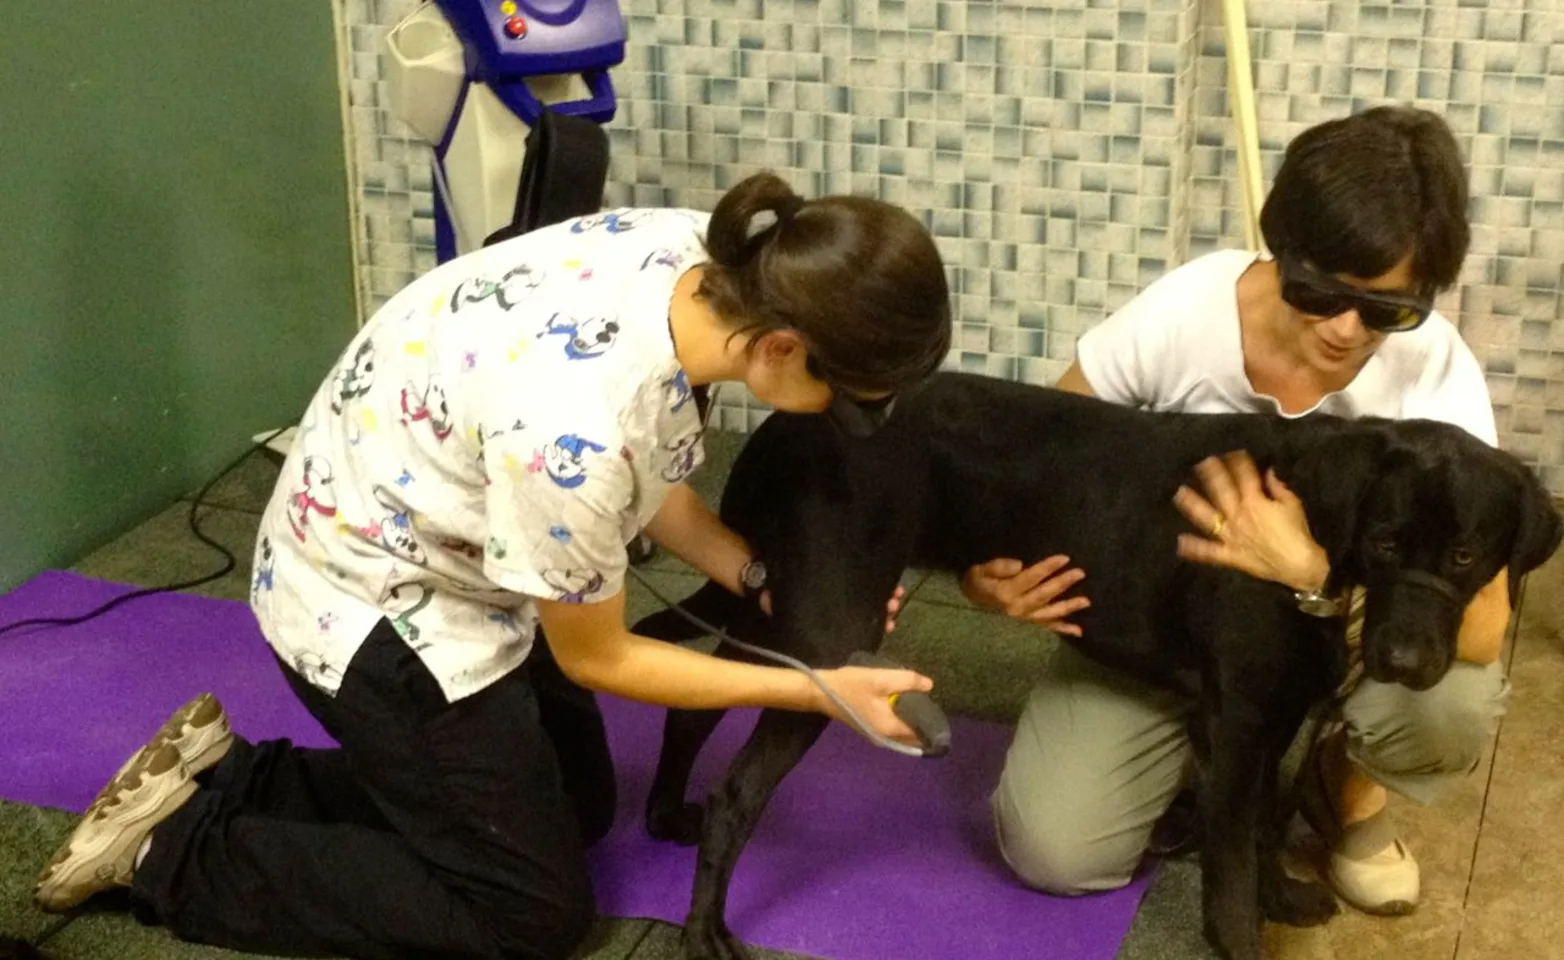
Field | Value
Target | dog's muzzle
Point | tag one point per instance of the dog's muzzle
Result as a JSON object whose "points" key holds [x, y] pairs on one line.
{"points": [[1418, 578]]}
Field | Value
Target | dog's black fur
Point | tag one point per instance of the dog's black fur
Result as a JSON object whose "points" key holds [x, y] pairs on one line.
{"points": [[971, 468], [14, 948]]}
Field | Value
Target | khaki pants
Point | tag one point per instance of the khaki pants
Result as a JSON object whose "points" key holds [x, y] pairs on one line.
{"points": [[1098, 757]]}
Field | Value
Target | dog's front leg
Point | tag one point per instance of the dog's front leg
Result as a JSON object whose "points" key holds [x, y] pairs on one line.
{"points": [[780, 740], [1284, 899], [1230, 811], [669, 816]]}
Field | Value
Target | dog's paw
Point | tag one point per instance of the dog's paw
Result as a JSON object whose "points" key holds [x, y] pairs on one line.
{"points": [[711, 942], [681, 824], [1298, 903], [1234, 944]]}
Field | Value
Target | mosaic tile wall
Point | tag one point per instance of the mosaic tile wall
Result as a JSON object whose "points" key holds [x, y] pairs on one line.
{"points": [[1495, 70], [1064, 154]]}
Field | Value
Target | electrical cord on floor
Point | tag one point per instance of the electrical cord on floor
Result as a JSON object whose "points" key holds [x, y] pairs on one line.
{"points": [[23, 949], [872, 735], [229, 562]]}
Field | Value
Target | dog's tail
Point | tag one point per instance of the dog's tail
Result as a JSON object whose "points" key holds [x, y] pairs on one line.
{"points": [[711, 603]]}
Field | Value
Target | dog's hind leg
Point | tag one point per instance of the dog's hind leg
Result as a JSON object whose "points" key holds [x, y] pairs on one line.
{"points": [[779, 742], [669, 815]]}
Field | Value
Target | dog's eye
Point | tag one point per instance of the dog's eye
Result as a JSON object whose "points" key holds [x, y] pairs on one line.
{"points": [[1462, 558], [1385, 548]]}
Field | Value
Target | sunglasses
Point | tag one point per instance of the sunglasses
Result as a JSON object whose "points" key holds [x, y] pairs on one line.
{"points": [[1321, 296]]}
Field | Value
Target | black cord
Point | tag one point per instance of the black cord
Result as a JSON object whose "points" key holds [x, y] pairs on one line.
{"points": [[195, 527]]}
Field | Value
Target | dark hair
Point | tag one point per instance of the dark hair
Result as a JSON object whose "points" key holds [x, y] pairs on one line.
{"points": [[1356, 195], [859, 279]]}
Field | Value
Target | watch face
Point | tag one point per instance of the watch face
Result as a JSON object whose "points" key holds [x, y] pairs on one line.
{"points": [[753, 575], [1317, 606]]}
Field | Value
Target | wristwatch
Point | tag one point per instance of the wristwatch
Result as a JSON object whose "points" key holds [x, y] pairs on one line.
{"points": [[752, 580], [1317, 604]]}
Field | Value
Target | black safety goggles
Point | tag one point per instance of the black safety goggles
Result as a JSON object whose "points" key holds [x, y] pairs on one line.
{"points": [[854, 416], [1319, 295]]}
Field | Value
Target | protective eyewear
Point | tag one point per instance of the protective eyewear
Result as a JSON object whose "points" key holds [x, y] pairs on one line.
{"points": [[853, 415], [1319, 295]]}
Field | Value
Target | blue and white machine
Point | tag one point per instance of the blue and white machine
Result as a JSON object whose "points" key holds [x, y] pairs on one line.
{"points": [[472, 77]]}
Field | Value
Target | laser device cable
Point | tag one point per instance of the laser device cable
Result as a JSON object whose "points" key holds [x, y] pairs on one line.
{"points": [[915, 708]]}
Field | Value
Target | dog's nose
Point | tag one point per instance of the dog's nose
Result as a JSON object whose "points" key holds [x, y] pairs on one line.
{"points": [[1405, 660]]}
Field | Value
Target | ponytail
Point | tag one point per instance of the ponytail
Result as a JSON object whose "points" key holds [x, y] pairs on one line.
{"points": [[861, 280], [740, 225]]}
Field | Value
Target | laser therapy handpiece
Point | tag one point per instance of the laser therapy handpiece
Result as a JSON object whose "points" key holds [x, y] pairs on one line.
{"points": [[916, 709]]}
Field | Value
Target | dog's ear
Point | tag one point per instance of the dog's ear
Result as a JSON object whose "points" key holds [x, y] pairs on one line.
{"points": [[1332, 476], [1538, 528]]}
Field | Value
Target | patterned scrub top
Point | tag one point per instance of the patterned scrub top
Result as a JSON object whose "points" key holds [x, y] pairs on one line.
{"points": [[497, 432]]}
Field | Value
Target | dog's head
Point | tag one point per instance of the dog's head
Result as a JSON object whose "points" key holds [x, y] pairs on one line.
{"points": [[1423, 515]]}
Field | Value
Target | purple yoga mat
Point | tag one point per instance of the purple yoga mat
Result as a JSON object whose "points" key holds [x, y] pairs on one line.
{"points": [[862, 854]]}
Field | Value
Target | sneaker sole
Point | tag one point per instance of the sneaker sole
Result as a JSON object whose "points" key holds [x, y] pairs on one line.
{"points": [[201, 747], [1395, 908]]}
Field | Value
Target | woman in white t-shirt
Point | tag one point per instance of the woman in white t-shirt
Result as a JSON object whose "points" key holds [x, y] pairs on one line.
{"points": [[1367, 221], [471, 471]]}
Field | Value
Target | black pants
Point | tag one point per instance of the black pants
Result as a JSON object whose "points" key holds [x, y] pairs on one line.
{"points": [[436, 830]]}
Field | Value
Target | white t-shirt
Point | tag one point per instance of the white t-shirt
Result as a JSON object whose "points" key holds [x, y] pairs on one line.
{"points": [[498, 432], [1178, 346]]}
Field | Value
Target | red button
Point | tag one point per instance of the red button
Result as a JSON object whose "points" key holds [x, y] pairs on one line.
{"points": [[516, 27]]}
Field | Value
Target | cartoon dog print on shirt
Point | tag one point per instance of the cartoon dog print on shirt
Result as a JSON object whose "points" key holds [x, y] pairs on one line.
{"points": [[355, 378], [584, 339], [677, 389], [482, 435], [565, 460], [681, 456], [314, 495], [614, 221], [574, 586], [318, 672], [429, 405], [515, 286], [265, 564], [663, 257], [394, 529], [410, 598]]}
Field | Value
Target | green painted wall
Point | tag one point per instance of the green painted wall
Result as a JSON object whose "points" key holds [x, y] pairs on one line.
{"points": [[175, 272]]}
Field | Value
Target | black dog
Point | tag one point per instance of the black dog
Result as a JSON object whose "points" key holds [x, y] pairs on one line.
{"points": [[971, 468], [13, 948]]}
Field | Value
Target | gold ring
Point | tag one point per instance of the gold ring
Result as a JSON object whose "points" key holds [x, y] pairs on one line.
{"points": [[1216, 528]]}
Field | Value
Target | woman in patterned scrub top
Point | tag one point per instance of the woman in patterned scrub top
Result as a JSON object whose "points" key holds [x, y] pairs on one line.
{"points": [[464, 482]]}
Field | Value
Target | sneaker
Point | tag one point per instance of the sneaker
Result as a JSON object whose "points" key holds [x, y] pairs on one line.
{"points": [[1386, 882], [100, 853], [199, 730]]}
